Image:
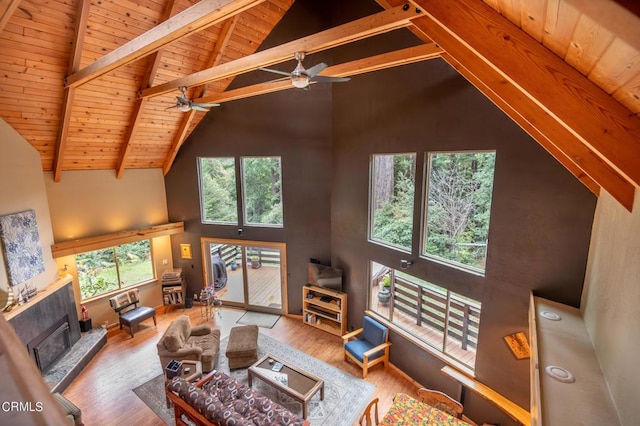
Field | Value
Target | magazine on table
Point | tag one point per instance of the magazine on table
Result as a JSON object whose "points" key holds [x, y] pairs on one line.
{"points": [[281, 378]]}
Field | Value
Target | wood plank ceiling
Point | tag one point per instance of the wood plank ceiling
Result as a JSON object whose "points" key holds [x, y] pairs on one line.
{"points": [[88, 83]]}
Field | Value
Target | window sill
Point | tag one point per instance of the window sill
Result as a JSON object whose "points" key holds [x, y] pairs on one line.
{"points": [[455, 265], [118, 291], [422, 345]]}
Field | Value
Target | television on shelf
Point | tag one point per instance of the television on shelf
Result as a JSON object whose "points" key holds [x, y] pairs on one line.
{"points": [[325, 276]]}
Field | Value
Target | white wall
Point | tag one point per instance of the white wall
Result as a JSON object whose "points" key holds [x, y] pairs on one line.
{"points": [[611, 301], [22, 188], [89, 203]]}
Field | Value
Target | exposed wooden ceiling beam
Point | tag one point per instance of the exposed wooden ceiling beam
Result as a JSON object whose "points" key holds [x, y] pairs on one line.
{"points": [[215, 58], [196, 18], [474, 34], [69, 92], [348, 69], [7, 7], [490, 80], [138, 107], [392, 59], [247, 91], [356, 30]]}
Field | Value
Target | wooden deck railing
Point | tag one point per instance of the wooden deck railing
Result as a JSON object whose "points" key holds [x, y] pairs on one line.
{"points": [[428, 306], [228, 252]]}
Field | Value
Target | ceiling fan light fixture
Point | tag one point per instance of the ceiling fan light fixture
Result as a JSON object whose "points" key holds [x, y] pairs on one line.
{"points": [[299, 80], [184, 107]]}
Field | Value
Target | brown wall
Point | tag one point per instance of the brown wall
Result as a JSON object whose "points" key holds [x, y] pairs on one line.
{"points": [[541, 215], [295, 125], [540, 220]]}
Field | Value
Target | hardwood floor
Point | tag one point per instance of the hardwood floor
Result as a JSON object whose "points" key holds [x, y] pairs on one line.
{"points": [[104, 388]]}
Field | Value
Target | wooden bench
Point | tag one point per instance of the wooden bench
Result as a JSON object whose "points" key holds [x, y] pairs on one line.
{"points": [[130, 314]]}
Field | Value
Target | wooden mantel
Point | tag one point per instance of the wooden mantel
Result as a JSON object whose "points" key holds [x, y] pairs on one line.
{"points": [[83, 245], [42, 294]]}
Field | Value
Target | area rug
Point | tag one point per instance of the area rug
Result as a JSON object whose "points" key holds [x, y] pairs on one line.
{"points": [[259, 318], [152, 394], [345, 396]]}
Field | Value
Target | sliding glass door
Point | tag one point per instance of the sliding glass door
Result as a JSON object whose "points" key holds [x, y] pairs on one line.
{"points": [[250, 275], [264, 277]]}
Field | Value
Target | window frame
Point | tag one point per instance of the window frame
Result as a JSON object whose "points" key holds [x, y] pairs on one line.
{"points": [[243, 193], [201, 193], [119, 287], [424, 217], [371, 210], [397, 326]]}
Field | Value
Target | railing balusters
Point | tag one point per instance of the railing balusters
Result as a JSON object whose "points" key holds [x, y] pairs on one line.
{"points": [[465, 327], [462, 324]]}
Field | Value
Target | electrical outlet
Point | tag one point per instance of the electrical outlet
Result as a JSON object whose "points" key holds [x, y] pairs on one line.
{"points": [[195, 296], [165, 262]]}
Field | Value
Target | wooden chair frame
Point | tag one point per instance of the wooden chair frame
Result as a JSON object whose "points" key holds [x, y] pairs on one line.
{"points": [[441, 401], [366, 414], [366, 363]]}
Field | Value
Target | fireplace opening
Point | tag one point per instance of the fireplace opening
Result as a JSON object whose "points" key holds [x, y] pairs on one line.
{"points": [[51, 345]]}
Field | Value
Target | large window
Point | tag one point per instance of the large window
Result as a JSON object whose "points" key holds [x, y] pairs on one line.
{"points": [[458, 206], [392, 195], [261, 186], [445, 322], [218, 198], [113, 268], [262, 190]]}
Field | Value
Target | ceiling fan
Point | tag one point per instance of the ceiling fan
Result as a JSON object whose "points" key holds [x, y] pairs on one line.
{"points": [[301, 77], [184, 104]]}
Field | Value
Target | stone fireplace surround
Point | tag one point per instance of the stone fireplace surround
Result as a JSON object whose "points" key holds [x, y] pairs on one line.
{"points": [[48, 327]]}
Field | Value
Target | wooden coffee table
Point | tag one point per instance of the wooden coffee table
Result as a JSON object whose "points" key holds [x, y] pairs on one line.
{"points": [[299, 384]]}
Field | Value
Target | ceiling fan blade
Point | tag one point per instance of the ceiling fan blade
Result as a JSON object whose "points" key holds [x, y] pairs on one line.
{"points": [[198, 108], [275, 71], [172, 106], [323, 79], [315, 70], [204, 105]]}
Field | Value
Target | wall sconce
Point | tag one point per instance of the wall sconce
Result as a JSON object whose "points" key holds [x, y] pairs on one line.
{"points": [[404, 264]]}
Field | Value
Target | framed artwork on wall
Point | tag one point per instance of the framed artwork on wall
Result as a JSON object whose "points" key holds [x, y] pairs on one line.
{"points": [[21, 246], [185, 251]]}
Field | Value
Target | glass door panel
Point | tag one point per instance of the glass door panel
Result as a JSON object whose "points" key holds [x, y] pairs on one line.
{"points": [[226, 272], [247, 276], [264, 277]]}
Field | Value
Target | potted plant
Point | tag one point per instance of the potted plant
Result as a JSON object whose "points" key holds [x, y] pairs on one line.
{"points": [[384, 292], [255, 262]]}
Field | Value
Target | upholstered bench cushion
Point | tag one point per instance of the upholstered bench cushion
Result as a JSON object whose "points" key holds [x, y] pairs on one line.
{"points": [[136, 315], [225, 401], [242, 347]]}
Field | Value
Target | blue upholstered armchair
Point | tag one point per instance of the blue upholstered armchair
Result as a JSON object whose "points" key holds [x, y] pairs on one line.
{"points": [[370, 348]]}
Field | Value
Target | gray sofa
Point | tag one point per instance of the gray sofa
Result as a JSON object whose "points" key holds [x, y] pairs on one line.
{"points": [[182, 341]]}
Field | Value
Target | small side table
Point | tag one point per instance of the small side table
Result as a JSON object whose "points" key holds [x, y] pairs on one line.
{"points": [[210, 307], [194, 373]]}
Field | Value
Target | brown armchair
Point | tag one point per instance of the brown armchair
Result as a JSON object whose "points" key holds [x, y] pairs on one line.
{"points": [[181, 341]]}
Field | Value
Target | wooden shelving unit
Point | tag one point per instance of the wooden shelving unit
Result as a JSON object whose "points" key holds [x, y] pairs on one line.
{"points": [[325, 309], [173, 288]]}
